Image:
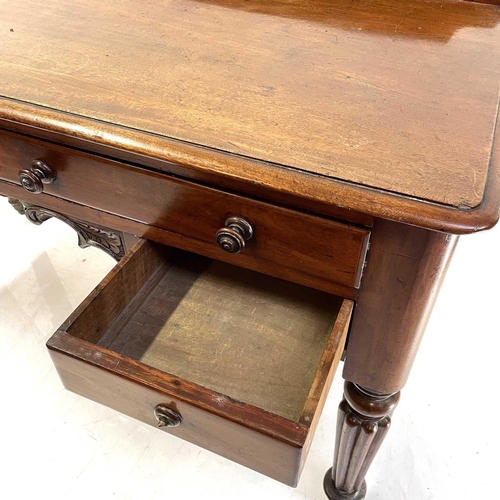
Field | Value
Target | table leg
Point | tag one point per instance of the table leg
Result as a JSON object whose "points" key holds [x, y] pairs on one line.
{"points": [[363, 421], [405, 268]]}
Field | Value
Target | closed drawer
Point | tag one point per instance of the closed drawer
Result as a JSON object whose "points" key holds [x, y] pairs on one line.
{"points": [[299, 247], [229, 359]]}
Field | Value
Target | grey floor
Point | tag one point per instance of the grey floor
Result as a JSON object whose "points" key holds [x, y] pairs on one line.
{"points": [[56, 445]]}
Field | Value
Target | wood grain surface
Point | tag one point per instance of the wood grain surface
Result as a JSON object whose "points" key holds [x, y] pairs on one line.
{"points": [[398, 96], [254, 338], [140, 229], [240, 362], [492, 2], [321, 247], [403, 275], [228, 432]]}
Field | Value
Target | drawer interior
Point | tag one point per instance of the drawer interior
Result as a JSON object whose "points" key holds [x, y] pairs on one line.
{"points": [[254, 338], [170, 326]]}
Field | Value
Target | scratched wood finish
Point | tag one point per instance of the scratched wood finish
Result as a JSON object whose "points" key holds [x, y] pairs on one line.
{"points": [[404, 272], [321, 247], [210, 167], [327, 90], [294, 188], [210, 430], [272, 437]]}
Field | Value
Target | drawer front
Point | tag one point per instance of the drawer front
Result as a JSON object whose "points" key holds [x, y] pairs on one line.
{"points": [[114, 388], [285, 243], [245, 362]]}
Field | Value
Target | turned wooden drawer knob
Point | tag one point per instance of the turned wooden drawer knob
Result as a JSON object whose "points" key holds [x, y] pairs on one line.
{"points": [[231, 238], [167, 417], [39, 174]]}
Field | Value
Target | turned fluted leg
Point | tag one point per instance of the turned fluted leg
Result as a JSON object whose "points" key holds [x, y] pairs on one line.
{"points": [[363, 422], [404, 270]]}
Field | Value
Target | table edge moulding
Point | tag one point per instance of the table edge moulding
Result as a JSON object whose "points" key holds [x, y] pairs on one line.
{"points": [[316, 193]]}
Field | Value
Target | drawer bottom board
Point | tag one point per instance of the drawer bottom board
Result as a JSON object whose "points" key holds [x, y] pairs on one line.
{"points": [[254, 338]]}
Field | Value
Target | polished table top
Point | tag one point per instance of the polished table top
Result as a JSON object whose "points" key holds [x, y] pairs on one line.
{"points": [[368, 111], [384, 107]]}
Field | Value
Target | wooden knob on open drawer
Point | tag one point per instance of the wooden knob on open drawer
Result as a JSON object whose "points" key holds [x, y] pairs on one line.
{"points": [[39, 174], [167, 417], [232, 237]]}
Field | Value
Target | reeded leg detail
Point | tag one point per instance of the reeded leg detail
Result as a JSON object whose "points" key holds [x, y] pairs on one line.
{"points": [[363, 422]]}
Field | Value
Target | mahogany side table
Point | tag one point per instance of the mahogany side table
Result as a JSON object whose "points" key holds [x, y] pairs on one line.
{"points": [[282, 184]]}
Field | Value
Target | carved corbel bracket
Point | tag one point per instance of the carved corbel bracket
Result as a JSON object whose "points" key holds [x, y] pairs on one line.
{"points": [[18, 205], [110, 241]]}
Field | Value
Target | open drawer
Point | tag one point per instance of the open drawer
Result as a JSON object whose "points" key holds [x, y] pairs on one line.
{"points": [[229, 359]]}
